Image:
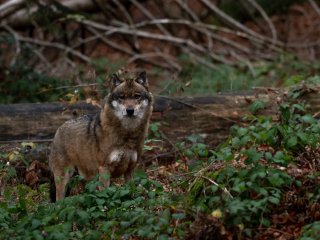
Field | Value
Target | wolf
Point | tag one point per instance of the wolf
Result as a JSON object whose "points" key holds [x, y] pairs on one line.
{"points": [[108, 143]]}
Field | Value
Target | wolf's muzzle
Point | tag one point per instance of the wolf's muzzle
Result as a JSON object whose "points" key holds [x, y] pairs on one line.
{"points": [[130, 111]]}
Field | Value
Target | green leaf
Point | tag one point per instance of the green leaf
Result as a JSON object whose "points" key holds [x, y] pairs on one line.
{"points": [[298, 107], [163, 237], [257, 105], [252, 155], [124, 192], [194, 138], [265, 222], [242, 131], [236, 143], [140, 173], [125, 224], [274, 200], [107, 225], [154, 127], [151, 194], [35, 223], [100, 201], [308, 119], [188, 153], [268, 155], [292, 142], [275, 180], [244, 140], [178, 216], [303, 137], [83, 216]]}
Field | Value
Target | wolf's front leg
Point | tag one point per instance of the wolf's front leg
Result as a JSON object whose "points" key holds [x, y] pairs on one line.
{"points": [[61, 178], [128, 175], [104, 177], [133, 156]]}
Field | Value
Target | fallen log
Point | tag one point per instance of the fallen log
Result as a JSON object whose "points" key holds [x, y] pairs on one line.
{"points": [[210, 117]]}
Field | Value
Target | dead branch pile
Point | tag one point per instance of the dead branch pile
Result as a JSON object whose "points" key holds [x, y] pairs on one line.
{"points": [[61, 33]]}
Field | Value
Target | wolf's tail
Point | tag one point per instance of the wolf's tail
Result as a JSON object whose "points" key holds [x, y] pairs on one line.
{"points": [[52, 188]]}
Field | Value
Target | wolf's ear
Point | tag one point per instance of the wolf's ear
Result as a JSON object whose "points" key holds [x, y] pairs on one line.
{"points": [[142, 79], [115, 81]]}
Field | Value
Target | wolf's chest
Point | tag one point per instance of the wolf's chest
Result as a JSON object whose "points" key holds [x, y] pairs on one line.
{"points": [[119, 156], [121, 160]]}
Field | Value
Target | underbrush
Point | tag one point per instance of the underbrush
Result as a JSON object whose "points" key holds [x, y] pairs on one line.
{"points": [[262, 183], [284, 71], [138, 209]]}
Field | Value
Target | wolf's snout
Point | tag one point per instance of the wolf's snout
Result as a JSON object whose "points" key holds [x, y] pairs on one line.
{"points": [[130, 111]]}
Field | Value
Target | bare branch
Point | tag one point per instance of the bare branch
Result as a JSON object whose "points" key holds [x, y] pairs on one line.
{"points": [[199, 25], [235, 24], [55, 45], [266, 18], [185, 7], [17, 43], [224, 189], [128, 31], [22, 17], [170, 59], [130, 21], [9, 7], [167, 33], [315, 6], [150, 16]]}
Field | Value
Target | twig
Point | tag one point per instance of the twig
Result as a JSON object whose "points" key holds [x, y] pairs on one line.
{"points": [[10, 7], [147, 13], [128, 31], [237, 25], [224, 189], [276, 230], [128, 17], [55, 45], [177, 150], [199, 26], [184, 6], [243, 60], [17, 43], [315, 6], [181, 42], [42, 58], [106, 41], [167, 33], [170, 59], [266, 18], [123, 49], [229, 20]]}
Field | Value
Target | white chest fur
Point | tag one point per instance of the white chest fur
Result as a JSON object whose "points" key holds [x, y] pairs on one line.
{"points": [[119, 155]]}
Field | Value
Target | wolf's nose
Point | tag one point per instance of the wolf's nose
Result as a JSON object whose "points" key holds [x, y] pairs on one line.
{"points": [[130, 111]]}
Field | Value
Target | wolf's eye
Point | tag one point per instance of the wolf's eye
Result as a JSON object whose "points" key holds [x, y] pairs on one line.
{"points": [[137, 96], [121, 97]]}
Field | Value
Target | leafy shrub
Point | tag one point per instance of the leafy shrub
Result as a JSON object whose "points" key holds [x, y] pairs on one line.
{"points": [[311, 231], [140, 208], [251, 179]]}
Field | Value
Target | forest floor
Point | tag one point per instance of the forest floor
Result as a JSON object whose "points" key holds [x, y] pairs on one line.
{"points": [[294, 203]]}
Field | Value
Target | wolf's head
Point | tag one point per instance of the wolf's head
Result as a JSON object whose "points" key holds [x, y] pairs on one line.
{"points": [[130, 99]]}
